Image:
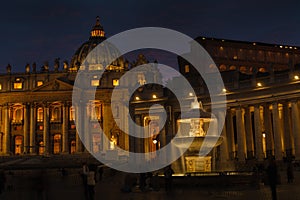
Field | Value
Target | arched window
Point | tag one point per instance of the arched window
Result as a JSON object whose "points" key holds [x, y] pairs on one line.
{"points": [[95, 111], [223, 68], [73, 147], [72, 113], [56, 143], [55, 114], [18, 114], [40, 114], [232, 67], [18, 144]]}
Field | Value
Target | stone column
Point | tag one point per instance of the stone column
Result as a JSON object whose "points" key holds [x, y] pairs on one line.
{"points": [[268, 130], [224, 156], [249, 133], [296, 128], [87, 130], [46, 129], [26, 128], [258, 134], [277, 132], [288, 137], [7, 136], [65, 125], [240, 134], [107, 124], [33, 118], [230, 133], [78, 122]]}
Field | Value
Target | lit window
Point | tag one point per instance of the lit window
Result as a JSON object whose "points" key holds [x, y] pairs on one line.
{"points": [[186, 68], [40, 114], [18, 86], [18, 144], [55, 114], [235, 57], [0, 86], [73, 146], [72, 114], [39, 83], [95, 83], [115, 82], [57, 143], [41, 148]]}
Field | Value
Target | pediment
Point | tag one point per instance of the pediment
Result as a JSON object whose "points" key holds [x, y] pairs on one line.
{"points": [[54, 85]]}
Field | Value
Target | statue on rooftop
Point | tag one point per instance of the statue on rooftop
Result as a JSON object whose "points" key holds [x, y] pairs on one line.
{"points": [[27, 68], [8, 69], [34, 67], [56, 64], [66, 65]]}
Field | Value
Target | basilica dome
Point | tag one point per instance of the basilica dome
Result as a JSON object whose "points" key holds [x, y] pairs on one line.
{"points": [[97, 35]]}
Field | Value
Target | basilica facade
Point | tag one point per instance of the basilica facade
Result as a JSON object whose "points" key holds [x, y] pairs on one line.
{"points": [[262, 120]]}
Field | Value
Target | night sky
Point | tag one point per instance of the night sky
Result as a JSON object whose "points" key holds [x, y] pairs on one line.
{"points": [[39, 31]]}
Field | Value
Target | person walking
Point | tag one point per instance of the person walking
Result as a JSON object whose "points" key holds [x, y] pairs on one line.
{"points": [[91, 183], [290, 172], [85, 170], [272, 177], [168, 173]]}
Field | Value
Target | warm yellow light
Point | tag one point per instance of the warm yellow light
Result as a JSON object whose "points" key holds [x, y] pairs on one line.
{"points": [[264, 135], [137, 98], [191, 94], [154, 141], [259, 84], [254, 43], [154, 96], [224, 90], [280, 46], [291, 47], [18, 86], [296, 77], [95, 83], [115, 82], [295, 47], [39, 83]]}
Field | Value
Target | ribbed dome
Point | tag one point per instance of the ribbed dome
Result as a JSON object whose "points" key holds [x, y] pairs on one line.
{"points": [[97, 35]]}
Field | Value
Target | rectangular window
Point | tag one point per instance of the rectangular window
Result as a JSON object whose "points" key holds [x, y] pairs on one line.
{"points": [[95, 83], [39, 83], [18, 86], [0, 86], [115, 82], [186, 68]]}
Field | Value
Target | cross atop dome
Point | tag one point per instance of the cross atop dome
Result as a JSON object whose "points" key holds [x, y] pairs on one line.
{"points": [[97, 30]]}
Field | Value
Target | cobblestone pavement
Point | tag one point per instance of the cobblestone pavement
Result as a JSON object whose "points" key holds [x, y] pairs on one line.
{"points": [[24, 186]]}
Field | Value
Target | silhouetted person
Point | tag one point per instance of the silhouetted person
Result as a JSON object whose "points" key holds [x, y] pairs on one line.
{"points": [[168, 178], [290, 172], [85, 170], [272, 176], [142, 181], [91, 183], [2, 181]]}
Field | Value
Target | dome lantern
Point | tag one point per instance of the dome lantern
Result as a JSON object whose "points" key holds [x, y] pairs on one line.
{"points": [[97, 30]]}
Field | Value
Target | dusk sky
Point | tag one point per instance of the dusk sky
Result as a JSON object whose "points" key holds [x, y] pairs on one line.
{"points": [[38, 31]]}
